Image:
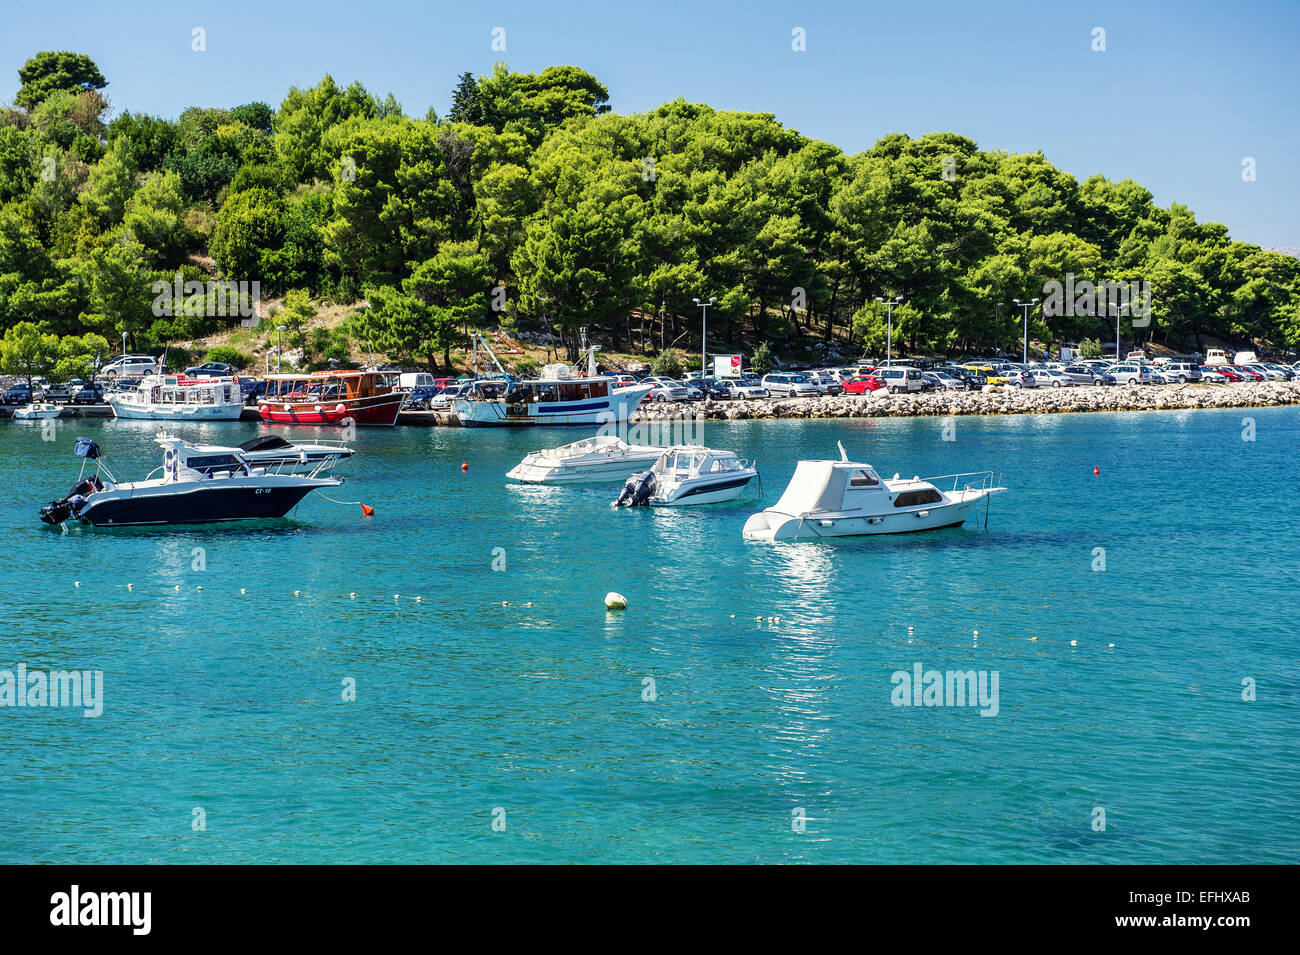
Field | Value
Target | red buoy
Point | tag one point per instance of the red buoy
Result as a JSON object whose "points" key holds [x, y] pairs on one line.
{"points": [[464, 466], [1096, 470]]}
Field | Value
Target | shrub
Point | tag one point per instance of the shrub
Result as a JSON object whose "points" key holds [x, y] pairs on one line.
{"points": [[667, 364], [761, 362]]}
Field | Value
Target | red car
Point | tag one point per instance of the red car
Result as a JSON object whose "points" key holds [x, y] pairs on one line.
{"points": [[1249, 374], [862, 384], [1228, 372]]}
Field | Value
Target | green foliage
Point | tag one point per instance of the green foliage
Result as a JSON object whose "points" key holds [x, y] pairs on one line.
{"points": [[48, 72], [595, 225], [230, 356], [1090, 348], [28, 350], [761, 361], [668, 363]]}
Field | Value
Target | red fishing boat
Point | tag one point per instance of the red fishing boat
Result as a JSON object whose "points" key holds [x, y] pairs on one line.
{"points": [[332, 397]]}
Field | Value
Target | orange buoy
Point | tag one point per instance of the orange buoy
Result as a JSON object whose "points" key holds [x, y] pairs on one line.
{"points": [[464, 466], [1096, 470], [367, 510]]}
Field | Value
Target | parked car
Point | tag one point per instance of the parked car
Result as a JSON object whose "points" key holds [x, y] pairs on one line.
{"points": [[826, 383], [251, 389], [59, 391], [19, 394], [418, 398], [1127, 373], [623, 380], [666, 389], [788, 385], [87, 394], [1212, 376], [129, 366], [210, 369], [901, 378], [1248, 374], [1228, 372], [863, 384], [741, 388], [1050, 378], [1083, 374], [1182, 371], [443, 399], [945, 381]]}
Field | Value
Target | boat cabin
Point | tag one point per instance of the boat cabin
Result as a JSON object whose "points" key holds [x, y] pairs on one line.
{"points": [[847, 486], [685, 462], [330, 385]]}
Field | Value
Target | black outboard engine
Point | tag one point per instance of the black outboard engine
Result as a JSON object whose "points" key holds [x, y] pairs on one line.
{"points": [[56, 512], [636, 492]]}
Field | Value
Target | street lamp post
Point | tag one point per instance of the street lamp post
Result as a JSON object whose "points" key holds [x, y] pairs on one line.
{"points": [[1024, 358], [124, 344], [279, 350], [889, 322], [704, 335]]}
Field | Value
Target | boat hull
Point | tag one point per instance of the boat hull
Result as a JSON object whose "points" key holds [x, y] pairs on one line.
{"points": [[134, 412], [773, 525], [378, 411], [206, 505], [713, 492], [594, 472]]}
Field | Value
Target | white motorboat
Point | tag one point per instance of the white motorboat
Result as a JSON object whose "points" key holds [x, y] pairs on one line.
{"points": [[847, 498], [198, 485], [688, 474], [176, 397], [37, 411], [589, 461]]}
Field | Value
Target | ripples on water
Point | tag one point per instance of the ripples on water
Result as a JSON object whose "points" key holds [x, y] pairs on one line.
{"points": [[231, 701]]}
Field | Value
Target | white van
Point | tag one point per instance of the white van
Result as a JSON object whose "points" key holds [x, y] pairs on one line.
{"points": [[901, 378], [409, 380]]}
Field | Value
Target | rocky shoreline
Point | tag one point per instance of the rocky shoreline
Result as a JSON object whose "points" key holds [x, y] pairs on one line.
{"points": [[991, 401]]}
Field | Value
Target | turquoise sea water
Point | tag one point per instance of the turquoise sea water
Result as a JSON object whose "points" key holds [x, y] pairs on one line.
{"points": [[232, 702]]}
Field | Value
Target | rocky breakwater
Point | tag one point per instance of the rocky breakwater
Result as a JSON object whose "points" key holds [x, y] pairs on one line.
{"points": [[991, 401]]}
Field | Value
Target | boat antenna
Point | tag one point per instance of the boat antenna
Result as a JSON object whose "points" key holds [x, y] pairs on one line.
{"points": [[844, 455]]}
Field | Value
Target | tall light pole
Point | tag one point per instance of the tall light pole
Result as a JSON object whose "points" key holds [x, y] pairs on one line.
{"points": [[124, 344], [704, 335], [279, 351], [889, 321], [1024, 358]]}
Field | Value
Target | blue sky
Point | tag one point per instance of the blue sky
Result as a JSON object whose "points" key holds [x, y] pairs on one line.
{"points": [[1182, 94]]}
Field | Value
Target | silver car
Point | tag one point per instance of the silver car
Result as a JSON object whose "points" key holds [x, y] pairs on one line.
{"points": [[789, 385]]}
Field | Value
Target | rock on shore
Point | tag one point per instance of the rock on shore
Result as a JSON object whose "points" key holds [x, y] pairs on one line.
{"points": [[989, 402]]}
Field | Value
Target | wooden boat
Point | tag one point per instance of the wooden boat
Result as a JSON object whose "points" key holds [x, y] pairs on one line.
{"points": [[332, 397]]}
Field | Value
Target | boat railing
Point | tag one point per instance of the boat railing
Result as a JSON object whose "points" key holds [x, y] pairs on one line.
{"points": [[272, 469], [967, 481]]}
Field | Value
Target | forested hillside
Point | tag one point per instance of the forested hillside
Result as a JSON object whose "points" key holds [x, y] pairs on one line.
{"points": [[533, 202]]}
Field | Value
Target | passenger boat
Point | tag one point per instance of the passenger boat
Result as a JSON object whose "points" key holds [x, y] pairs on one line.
{"points": [[589, 461], [688, 474], [37, 411], [332, 397], [551, 400], [176, 397], [197, 485], [846, 498]]}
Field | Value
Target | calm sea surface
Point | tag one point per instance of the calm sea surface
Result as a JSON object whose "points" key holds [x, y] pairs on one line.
{"points": [[536, 713]]}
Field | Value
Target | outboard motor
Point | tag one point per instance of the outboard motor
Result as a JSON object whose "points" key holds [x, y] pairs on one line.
{"points": [[56, 512], [637, 490]]}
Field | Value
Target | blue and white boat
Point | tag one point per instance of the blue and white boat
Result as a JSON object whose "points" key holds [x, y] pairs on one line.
{"points": [[559, 396]]}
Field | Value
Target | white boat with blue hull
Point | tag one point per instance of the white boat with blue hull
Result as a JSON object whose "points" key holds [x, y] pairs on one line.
{"points": [[688, 474], [847, 499], [559, 396], [198, 485]]}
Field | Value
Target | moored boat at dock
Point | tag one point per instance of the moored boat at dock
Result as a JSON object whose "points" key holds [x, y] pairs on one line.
{"points": [[332, 397], [178, 398]]}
